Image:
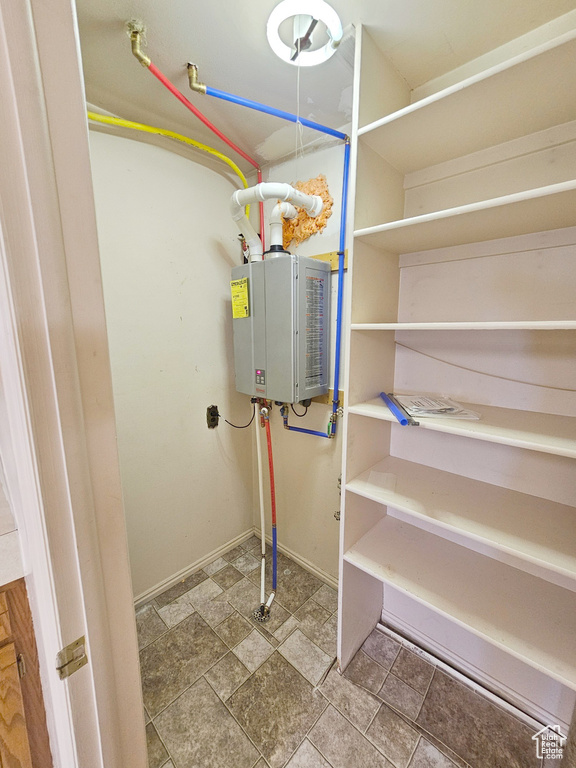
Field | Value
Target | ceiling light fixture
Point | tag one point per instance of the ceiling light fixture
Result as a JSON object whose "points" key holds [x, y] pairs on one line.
{"points": [[306, 14]]}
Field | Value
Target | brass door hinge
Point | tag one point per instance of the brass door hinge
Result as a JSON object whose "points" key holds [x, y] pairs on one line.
{"points": [[21, 664], [71, 658]]}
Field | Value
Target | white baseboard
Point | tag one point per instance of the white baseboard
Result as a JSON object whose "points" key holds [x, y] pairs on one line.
{"points": [[151, 593], [469, 674], [331, 581], [197, 566]]}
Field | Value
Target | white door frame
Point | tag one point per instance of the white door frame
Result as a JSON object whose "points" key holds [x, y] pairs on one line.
{"points": [[63, 471]]}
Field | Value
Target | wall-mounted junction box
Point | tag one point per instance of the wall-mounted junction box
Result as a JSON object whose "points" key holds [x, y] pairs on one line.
{"points": [[281, 315]]}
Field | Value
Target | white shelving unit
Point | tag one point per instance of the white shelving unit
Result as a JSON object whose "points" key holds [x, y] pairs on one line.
{"points": [[535, 88], [461, 585], [462, 534], [534, 210], [535, 431]]}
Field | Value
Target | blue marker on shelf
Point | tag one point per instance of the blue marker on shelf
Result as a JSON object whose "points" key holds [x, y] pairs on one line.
{"points": [[395, 410]]}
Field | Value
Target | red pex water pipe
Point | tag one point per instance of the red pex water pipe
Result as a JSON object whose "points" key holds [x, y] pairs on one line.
{"points": [[195, 111], [272, 503]]}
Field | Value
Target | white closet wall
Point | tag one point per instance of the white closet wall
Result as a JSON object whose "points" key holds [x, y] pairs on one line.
{"points": [[462, 534], [167, 245]]}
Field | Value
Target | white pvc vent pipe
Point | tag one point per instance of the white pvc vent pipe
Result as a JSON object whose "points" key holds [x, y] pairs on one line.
{"points": [[268, 190], [280, 211]]}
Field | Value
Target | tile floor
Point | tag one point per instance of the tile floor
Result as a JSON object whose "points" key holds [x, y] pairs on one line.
{"points": [[223, 691]]}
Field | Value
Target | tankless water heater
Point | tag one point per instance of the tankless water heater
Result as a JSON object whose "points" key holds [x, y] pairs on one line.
{"points": [[281, 313]]}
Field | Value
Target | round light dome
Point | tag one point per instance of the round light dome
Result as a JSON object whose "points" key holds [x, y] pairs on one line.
{"points": [[315, 9]]}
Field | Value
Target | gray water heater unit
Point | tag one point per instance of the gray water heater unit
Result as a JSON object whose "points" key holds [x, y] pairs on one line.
{"points": [[281, 315]]}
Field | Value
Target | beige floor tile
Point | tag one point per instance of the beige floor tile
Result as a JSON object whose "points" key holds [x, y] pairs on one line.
{"points": [[356, 703], [307, 756], [149, 625], [244, 596], [413, 669], [227, 675], [227, 576], [344, 746], [214, 612], [253, 650], [215, 566], [198, 730], [325, 636], [234, 553], [327, 598], [393, 736], [233, 629], [381, 648], [477, 730], [286, 628], [427, 756], [295, 585], [276, 706], [157, 754], [202, 593], [366, 672], [175, 612], [183, 586], [247, 563], [176, 660], [251, 542], [311, 615], [401, 697], [303, 654]]}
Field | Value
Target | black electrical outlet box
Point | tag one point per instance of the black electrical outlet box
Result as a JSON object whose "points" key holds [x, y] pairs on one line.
{"points": [[212, 416]]}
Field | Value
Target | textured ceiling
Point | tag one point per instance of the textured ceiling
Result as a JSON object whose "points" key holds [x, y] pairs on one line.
{"points": [[423, 38]]}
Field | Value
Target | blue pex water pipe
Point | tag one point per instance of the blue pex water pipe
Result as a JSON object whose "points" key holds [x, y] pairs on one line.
{"points": [[341, 248], [306, 431], [272, 111], [394, 409], [339, 135], [339, 303]]}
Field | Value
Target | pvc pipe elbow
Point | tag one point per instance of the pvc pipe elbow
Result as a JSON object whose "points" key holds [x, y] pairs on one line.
{"points": [[237, 207], [318, 204], [281, 211], [245, 228], [269, 190]]}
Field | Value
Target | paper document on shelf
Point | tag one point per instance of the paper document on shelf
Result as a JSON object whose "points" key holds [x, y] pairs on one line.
{"points": [[436, 407]]}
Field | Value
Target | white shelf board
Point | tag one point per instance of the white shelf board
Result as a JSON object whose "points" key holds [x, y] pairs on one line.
{"points": [[528, 93], [534, 535], [524, 429], [489, 325], [527, 617], [533, 210]]}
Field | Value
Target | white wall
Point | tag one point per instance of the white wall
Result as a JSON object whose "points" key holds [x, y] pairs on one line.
{"points": [[167, 245]]}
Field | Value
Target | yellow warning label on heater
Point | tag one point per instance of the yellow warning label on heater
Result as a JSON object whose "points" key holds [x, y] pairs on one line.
{"points": [[240, 304]]}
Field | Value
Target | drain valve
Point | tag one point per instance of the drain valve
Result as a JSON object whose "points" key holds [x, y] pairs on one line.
{"points": [[262, 613]]}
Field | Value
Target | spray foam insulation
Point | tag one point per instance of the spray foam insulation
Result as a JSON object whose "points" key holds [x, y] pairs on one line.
{"points": [[302, 226]]}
